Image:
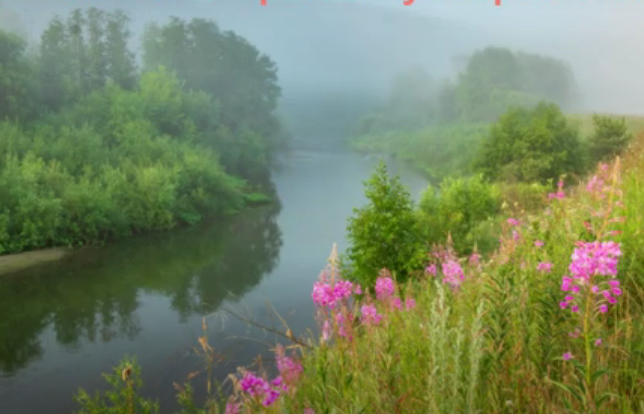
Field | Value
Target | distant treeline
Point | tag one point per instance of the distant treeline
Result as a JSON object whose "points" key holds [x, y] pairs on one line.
{"points": [[94, 147], [441, 126]]}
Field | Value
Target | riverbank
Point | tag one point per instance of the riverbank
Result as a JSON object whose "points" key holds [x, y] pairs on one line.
{"points": [[442, 151], [16, 262]]}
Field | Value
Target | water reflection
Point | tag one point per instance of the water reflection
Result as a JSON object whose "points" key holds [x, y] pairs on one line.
{"points": [[93, 296]]}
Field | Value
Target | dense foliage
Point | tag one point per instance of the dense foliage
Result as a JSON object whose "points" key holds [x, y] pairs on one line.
{"points": [[531, 145], [91, 148], [455, 209]]}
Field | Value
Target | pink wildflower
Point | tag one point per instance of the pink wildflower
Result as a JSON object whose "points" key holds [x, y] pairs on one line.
{"points": [[574, 308], [475, 259], [513, 222], [254, 385], [567, 356], [595, 184], [515, 235], [598, 342], [603, 308], [270, 397], [563, 305], [384, 288], [370, 315], [431, 269], [232, 408], [544, 267], [397, 303], [410, 303], [538, 243], [289, 368], [309, 411], [452, 273], [596, 258], [560, 192]]}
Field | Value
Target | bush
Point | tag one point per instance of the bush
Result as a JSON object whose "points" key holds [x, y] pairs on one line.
{"points": [[610, 138], [456, 209], [531, 145], [383, 234]]}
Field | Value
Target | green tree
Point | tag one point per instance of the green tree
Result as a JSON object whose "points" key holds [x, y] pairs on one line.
{"points": [[610, 138], [383, 233], [54, 68], [96, 49], [16, 86], [497, 78], [531, 145], [239, 78], [120, 59], [77, 49]]}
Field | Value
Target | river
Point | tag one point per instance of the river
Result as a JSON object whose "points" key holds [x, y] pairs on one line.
{"points": [[62, 324]]}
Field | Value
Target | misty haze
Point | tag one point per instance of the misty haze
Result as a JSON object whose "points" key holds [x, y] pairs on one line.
{"points": [[175, 173]]}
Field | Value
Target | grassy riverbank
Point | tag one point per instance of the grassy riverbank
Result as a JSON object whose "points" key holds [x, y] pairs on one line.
{"points": [[449, 150]]}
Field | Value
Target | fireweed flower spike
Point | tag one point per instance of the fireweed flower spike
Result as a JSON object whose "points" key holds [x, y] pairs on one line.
{"points": [[538, 243], [232, 408], [453, 273], [544, 267], [370, 315], [567, 356], [384, 288], [431, 269]]}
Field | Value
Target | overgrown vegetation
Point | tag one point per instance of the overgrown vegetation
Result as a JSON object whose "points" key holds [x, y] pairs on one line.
{"points": [[92, 148], [547, 323]]}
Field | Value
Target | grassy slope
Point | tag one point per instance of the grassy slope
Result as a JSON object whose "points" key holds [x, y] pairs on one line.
{"points": [[497, 342]]}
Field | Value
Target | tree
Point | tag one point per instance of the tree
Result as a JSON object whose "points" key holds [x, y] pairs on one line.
{"points": [[78, 59], [54, 66], [531, 145], [96, 49], [610, 138], [121, 68], [383, 233], [496, 79], [238, 77], [16, 91]]}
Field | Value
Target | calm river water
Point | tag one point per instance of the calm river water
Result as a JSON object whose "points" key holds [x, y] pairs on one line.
{"points": [[63, 324]]}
